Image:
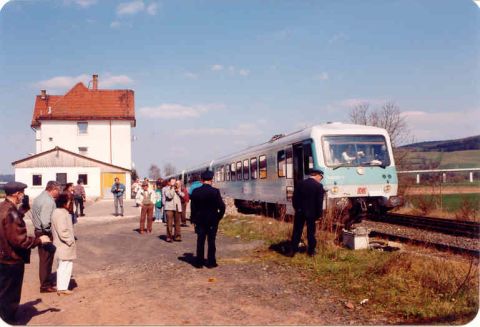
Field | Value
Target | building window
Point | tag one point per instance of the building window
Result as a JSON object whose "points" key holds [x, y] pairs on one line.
{"points": [[239, 170], [281, 163], [37, 180], [253, 168], [83, 150], [232, 171], [82, 127], [262, 164], [83, 178], [289, 154], [62, 178], [246, 169]]}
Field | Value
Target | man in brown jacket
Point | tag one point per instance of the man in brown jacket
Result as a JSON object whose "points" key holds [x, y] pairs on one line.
{"points": [[15, 248]]}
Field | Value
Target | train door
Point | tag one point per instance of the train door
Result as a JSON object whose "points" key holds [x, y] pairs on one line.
{"points": [[302, 161]]}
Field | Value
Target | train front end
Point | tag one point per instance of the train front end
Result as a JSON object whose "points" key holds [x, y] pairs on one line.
{"points": [[360, 174]]}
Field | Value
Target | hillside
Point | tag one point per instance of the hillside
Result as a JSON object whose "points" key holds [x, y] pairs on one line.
{"points": [[468, 143]]}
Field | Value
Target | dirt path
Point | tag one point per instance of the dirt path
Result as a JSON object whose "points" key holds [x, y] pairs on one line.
{"points": [[124, 278]]}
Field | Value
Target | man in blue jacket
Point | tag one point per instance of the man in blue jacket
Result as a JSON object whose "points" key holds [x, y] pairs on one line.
{"points": [[118, 189], [207, 209], [308, 204]]}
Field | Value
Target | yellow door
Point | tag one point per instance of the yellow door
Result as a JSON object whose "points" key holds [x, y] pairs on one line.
{"points": [[107, 181]]}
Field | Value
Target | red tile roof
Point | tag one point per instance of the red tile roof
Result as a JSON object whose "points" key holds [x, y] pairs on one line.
{"points": [[81, 103]]}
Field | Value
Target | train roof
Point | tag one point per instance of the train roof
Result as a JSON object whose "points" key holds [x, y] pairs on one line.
{"points": [[306, 133]]}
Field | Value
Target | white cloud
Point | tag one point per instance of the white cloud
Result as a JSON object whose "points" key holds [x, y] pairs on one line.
{"points": [[62, 83], [244, 72], [177, 111], [431, 126], [82, 3], [115, 24], [152, 8], [110, 80], [217, 67], [338, 37], [352, 102], [130, 8], [323, 76], [190, 75]]}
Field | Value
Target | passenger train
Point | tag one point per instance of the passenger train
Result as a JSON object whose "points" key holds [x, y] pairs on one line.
{"points": [[360, 178]]}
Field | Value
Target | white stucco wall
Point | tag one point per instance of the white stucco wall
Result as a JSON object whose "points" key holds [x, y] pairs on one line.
{"points": [[105, 142], [92, 190]]}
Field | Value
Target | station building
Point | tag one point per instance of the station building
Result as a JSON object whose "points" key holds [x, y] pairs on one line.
{"points": [[85, 134]]}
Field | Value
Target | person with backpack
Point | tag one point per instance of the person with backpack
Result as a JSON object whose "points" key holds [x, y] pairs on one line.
{"points": [[158, 201]]}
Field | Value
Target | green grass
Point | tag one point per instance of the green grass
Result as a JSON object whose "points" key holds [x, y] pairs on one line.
{"points": [[413, 288], [450, 202], [455, 159]]}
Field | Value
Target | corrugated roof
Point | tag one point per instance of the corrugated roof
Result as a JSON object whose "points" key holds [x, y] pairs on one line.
{"points": [[81, 103]]}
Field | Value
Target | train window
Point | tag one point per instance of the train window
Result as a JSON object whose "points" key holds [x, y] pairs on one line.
{"points": [[262, 164], [239, 170], [246, 169], [222, 174], [289, 166], [233, 171], [281, 163], [227, 172], [253, 168]]}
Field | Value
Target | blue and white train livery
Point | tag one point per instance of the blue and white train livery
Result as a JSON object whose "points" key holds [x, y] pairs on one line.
{"points": [[357, 161]]}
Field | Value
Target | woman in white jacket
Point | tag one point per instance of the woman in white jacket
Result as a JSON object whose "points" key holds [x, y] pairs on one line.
{"points": [[64, 241]]}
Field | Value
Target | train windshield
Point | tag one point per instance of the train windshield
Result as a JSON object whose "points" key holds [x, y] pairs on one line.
{"points": [[355, 150]]}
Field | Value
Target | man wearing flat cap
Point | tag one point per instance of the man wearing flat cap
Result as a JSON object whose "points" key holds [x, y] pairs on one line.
{"points": [[207, 209], [308, 204], [15, 248]]}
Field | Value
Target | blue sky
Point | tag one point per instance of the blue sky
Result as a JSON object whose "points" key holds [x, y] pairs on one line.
{"points": [[212, 77]]}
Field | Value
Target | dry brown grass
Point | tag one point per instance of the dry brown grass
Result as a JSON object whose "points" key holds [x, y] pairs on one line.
{"points": [[416, 288]]}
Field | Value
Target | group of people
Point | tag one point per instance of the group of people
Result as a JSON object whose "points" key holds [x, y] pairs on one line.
{"points": [[52, 218]]}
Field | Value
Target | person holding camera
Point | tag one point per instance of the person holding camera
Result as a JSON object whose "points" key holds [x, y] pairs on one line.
{"points": [[118, 189], [172, 195], [146, 198], [42, 210], [15, 248]]}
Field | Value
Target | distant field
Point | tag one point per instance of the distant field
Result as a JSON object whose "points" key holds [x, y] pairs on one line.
{"points": [[450, 202], [448, 160]]}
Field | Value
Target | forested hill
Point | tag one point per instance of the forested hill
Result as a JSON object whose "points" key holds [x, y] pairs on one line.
{"points": [[468, 143]]}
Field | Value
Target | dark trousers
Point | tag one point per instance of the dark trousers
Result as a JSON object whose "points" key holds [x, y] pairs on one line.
{"points": [[11, 279], [184, 213], [208, 233], [46, 253], [298, 224], [146, 214], [79, 204]]}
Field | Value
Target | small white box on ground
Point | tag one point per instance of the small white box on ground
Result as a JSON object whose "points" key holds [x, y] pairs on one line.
{"points": [[356, 239]]}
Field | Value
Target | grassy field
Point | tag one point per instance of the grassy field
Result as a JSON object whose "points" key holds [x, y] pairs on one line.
{"points": [[449, 202], [455, 159], [411, 287]]}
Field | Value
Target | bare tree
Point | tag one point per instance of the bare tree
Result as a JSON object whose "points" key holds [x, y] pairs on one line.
{"points": [[389, 116], [154, 172], [169, 169]]}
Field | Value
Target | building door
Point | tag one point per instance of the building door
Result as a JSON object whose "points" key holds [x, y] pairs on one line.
{"points": [[107, 181]]}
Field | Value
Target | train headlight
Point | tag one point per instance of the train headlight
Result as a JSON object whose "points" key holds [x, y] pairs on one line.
{"points": [[335, 189], [387, 188]]}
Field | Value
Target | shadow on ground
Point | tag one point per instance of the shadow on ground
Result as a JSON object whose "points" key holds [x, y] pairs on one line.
{"points": [[27, 311]]}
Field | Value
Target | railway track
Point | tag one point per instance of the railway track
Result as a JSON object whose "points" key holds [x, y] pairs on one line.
{"points": [[446, 226]]}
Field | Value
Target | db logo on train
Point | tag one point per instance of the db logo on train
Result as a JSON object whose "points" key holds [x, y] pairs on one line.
{"points": [[362, 190]]}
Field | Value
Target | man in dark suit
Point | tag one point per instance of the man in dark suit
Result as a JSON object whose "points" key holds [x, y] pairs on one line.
{"points": [[308, 204], [207, 209]]}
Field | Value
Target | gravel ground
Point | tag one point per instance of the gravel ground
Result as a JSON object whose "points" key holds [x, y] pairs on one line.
{"points": [[124, 278]]}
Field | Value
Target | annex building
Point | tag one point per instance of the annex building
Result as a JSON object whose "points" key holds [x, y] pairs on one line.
{"points": [[85, 134]]}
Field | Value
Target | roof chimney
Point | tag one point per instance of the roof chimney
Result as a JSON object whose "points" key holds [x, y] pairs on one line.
{"points": [[43, 94], [95, 82]]}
